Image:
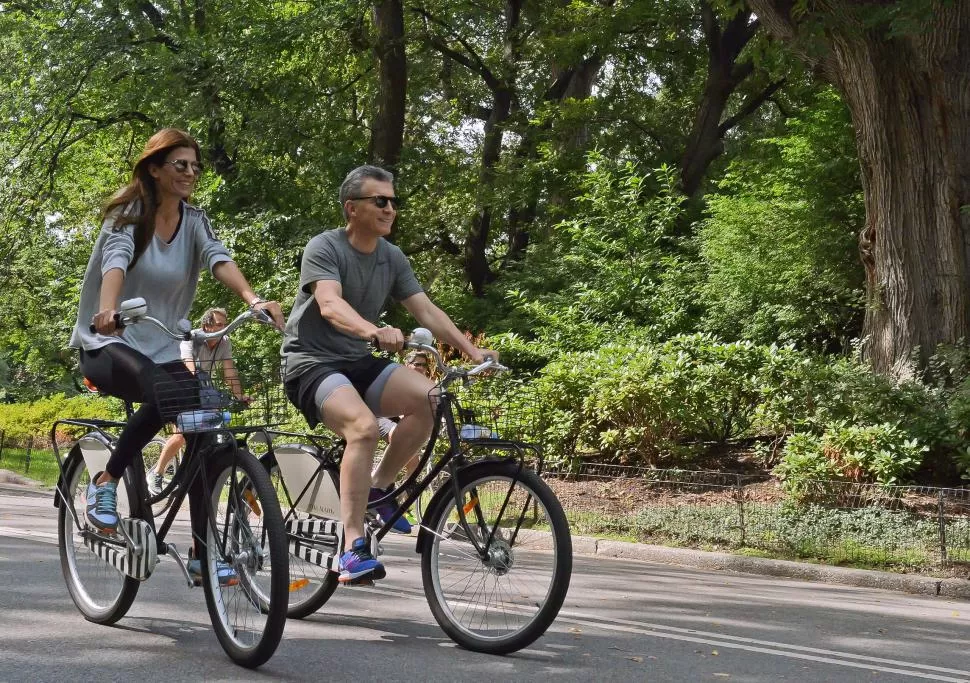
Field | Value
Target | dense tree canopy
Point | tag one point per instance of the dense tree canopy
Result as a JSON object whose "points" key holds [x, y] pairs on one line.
{"points": [[683, 216], [489, 113]]}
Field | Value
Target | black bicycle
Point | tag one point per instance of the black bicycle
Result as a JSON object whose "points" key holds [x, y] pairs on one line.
{"points": [[496, 552], [241, 526]]}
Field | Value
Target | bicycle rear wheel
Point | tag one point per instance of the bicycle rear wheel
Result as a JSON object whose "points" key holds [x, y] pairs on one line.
{"points": [[310, 584], [248, 616], [504, 601], [101, 592]]}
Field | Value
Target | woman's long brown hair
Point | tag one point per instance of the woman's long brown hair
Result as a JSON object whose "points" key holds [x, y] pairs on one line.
{"points": [[142, 192]]}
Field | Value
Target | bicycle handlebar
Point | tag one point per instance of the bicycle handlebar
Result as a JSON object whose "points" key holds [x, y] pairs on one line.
{"points": [[134, 311], [490, 364]]}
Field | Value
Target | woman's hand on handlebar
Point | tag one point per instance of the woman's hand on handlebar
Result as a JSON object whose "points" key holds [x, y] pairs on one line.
{"points": [[106, 322], [274, 311]]}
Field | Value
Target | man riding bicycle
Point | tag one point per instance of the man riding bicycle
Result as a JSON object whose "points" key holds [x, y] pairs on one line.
{"points": [[346, 277]]}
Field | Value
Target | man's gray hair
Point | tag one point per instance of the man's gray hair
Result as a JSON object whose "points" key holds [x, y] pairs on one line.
{"points": [[351, 185], [209, 317]]}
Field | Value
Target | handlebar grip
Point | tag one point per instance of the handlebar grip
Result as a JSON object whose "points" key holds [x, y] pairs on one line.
{"points": [[262, 316], [119, 323]]}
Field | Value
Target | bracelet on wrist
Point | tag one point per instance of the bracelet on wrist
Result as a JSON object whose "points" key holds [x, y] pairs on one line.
{"points": [[257, 300]]}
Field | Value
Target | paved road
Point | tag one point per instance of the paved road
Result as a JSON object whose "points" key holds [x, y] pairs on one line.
{"points": [[623, 621]]}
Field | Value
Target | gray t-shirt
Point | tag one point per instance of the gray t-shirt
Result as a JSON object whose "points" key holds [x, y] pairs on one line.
{"points": [[206, 358], [366, 281], [166, 275]]}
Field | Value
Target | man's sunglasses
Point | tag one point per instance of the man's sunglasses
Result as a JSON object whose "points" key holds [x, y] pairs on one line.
{"points": [[380, 201], [182, 165]]}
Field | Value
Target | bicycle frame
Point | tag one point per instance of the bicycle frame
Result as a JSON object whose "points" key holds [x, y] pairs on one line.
{"points": [[453, 460], [198, 446]]}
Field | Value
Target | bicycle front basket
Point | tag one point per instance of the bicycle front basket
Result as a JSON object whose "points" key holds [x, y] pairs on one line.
{"points": [[497, 408]]}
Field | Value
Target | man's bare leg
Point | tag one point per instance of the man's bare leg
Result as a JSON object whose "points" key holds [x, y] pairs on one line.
{"points": [[346, 413], [406, 394]]}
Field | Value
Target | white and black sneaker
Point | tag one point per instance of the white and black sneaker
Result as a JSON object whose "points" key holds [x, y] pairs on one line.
{"points": [[155, 482]]}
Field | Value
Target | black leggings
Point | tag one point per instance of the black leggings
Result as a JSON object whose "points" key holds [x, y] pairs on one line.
{"points": [[119, 370]]}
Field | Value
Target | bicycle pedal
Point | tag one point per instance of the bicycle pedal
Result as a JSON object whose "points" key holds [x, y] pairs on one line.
{"points": [[362, 581]]}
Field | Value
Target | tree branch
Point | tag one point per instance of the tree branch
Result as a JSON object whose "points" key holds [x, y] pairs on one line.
{"points": [[471, 60], [749, 106]]}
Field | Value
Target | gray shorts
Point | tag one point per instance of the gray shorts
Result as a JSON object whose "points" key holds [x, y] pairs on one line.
{"points": [[371, 395]]}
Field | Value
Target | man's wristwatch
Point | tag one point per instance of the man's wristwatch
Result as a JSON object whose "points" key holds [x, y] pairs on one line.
{"points": [[257, 300]]}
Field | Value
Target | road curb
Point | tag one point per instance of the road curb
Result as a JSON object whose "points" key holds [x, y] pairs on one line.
{"points": [[702, 559]]}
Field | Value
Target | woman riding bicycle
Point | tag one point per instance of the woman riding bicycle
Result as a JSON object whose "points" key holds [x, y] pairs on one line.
{"points": [[152, 244]]}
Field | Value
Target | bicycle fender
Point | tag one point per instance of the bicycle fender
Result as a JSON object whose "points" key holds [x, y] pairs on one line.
{"points": [[438, 499], [73, 456]]}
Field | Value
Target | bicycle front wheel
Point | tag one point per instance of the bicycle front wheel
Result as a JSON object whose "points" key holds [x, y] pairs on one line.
{"points": [[101, 593], [248, 612], [502, 599]]}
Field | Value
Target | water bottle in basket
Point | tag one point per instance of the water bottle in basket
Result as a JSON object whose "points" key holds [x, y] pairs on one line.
{"points": [[202, 420]]}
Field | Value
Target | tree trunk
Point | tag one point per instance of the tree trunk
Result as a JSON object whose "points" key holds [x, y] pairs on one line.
{"points": [[724, 76], [909, 96], [910, 103], [387, 136], [477, 269]]}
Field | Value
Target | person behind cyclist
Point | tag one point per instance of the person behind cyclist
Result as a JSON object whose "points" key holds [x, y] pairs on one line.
{"points": [[152, 244], [209, 356], [346, 277]]}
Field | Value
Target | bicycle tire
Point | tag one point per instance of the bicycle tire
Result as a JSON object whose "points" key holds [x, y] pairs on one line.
{"points": [[100, 592], [522, 542], [310, 585], [248, 617]]}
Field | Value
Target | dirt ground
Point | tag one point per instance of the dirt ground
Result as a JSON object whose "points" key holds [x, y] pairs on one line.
{"points": [[620, 496]]}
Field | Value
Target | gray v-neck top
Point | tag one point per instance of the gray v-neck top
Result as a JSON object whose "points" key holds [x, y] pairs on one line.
{"points": [[166, 275]]}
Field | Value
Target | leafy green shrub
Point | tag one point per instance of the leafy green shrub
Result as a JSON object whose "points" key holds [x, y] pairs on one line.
{"points": [[650, 403], [808, 393], [23, 421], [882, 453]]}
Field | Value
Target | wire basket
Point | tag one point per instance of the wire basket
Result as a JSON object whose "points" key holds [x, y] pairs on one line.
{"points": [[497, 407], [200, 400]]}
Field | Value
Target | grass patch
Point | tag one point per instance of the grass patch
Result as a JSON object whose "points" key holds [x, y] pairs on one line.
{"points": [[871, 538], [41, 466]]}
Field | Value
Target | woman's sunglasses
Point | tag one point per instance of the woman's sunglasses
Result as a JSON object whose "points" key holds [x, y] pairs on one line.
{"points": [[182, 165], [380, 201]]}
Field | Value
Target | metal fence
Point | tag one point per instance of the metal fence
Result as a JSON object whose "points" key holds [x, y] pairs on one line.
{"points": [[15, 455], [915, 527]]}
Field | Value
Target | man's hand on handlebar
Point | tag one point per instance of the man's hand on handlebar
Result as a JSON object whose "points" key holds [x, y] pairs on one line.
{"points": [[388, 339], [482, 355]]}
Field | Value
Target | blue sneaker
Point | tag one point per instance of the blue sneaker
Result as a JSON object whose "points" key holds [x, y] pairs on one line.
{"points": [[227, 575], [386, 510], [357, 564], [102, 510]]}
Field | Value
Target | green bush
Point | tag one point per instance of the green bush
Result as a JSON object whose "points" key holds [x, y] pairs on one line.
{"points": [[23, 421], [652, 403], [661, 404], [881, 454]]}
